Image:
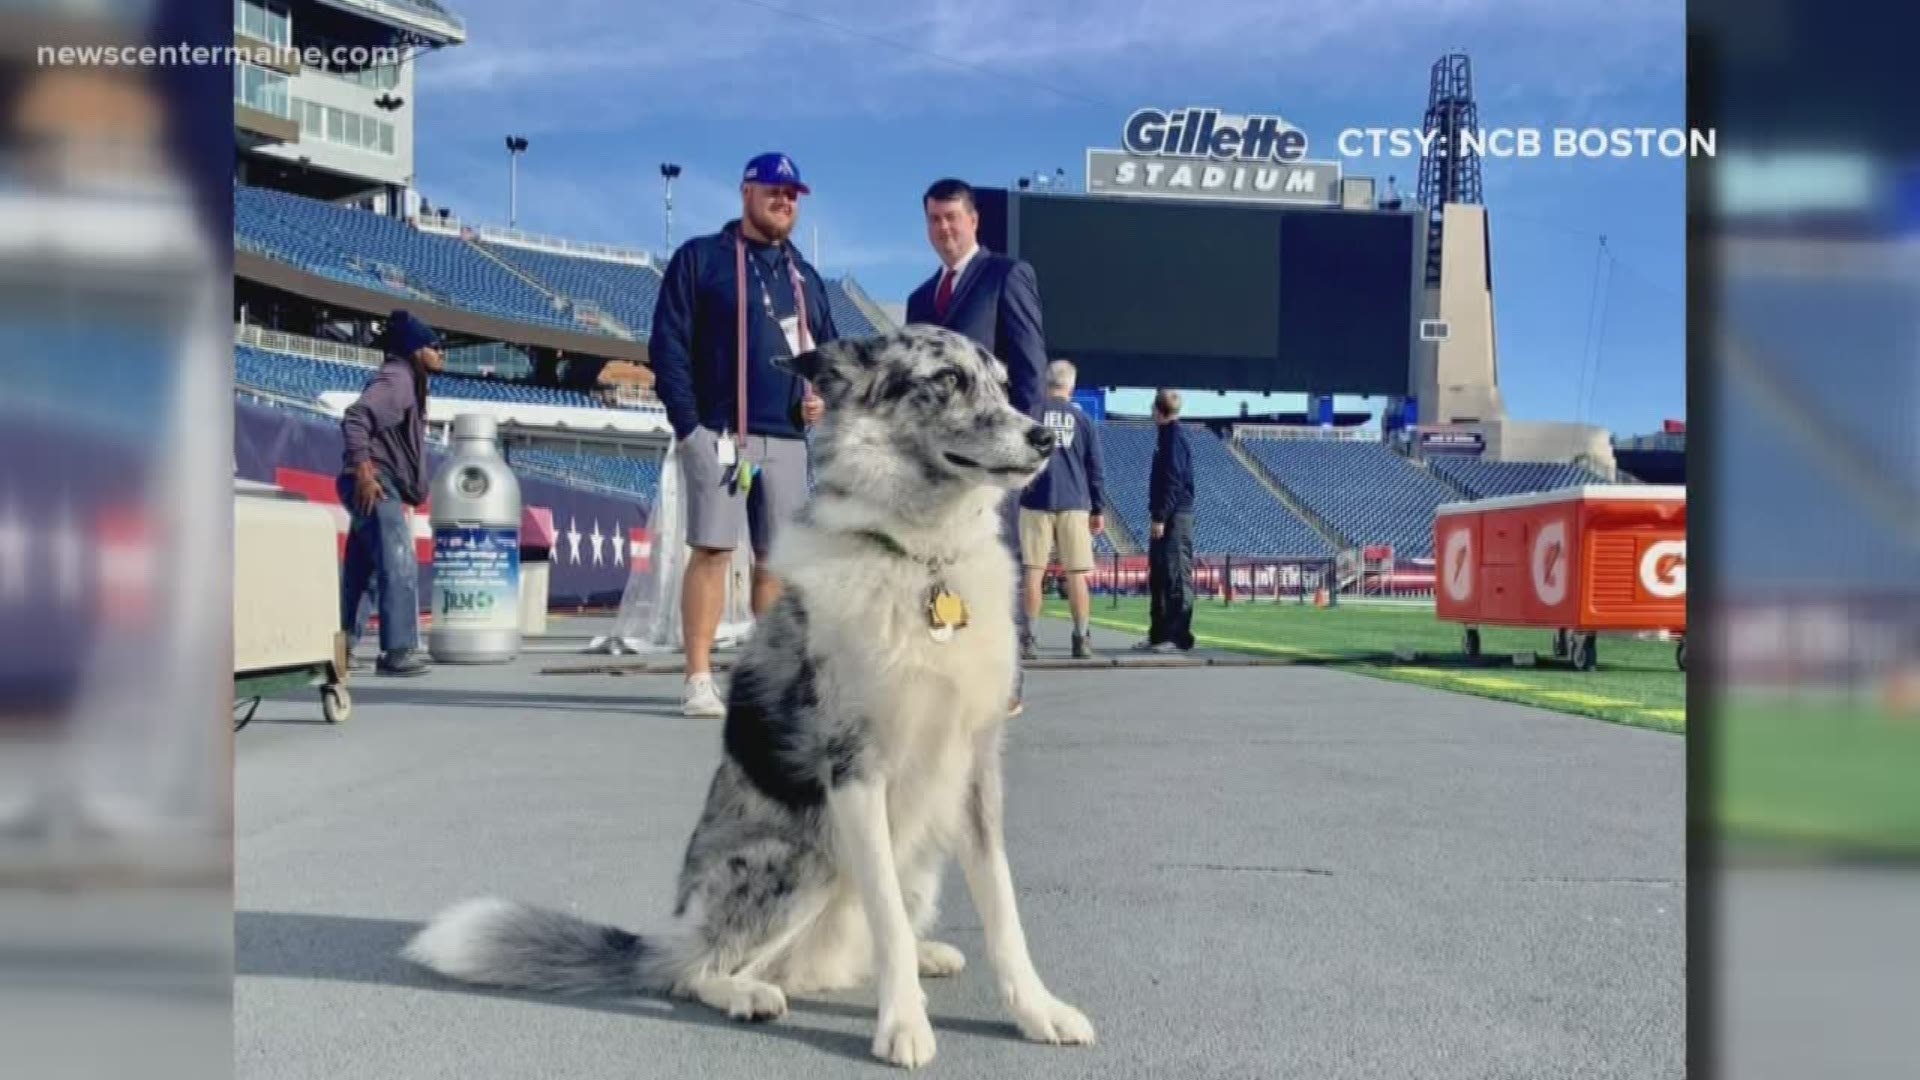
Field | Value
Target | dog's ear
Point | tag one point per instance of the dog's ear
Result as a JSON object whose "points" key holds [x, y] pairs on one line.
{"points": [[808, 365], [833, 365]]}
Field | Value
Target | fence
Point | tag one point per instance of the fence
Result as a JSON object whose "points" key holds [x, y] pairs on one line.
{"points": [[1243, 579]]}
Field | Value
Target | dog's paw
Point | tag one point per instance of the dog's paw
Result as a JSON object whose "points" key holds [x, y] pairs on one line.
{"points": [[757, 1001], [1045, 1018], [905, 1039], [939, 959]]}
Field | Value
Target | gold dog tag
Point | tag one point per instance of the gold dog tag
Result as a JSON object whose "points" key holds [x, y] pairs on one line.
{"points": [[945, 614]]}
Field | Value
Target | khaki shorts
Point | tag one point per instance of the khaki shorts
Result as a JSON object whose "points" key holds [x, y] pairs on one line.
{"points": [[1040, 530]]}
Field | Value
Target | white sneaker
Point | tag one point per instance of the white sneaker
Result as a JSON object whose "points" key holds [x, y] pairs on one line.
{"points": [[701, 700]]}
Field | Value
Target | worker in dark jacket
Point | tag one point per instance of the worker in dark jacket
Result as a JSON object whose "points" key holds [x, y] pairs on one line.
{"points": [[385, 432], [1170, 547], [743, 463]]}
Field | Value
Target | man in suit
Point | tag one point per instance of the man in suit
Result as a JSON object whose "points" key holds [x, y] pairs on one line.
{"points": [[995, 300]]}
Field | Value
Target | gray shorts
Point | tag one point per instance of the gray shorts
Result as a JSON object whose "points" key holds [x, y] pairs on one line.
{"points": [[716, 511]]}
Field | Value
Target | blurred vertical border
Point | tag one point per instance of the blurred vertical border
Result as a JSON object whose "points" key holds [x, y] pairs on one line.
{"points": [[115, 525], [1805, 390]]}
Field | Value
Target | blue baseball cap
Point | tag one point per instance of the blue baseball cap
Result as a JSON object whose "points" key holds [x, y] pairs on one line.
{"points": [[775, 168]]}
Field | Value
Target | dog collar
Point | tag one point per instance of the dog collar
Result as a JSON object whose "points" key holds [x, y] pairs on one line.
{"points": [[898, 550], [946, 612]]}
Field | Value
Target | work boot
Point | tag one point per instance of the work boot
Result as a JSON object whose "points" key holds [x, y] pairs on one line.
{"points": [[401, 663], [1082, 646]]}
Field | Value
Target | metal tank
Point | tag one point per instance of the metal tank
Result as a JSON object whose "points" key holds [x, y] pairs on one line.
{"points": [[476, 550]]}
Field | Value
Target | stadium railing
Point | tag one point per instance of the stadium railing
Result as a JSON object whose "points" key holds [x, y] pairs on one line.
{"points": [[557, 245], [1293, 431], [1239, 579], [311, 348]]}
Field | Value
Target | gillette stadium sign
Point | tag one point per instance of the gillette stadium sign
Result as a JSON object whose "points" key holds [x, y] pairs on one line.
{"points": [[1207, 154]]}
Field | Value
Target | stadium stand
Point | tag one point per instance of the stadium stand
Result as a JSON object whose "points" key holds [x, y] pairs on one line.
{"points": [[1362, 490], [635, 476], [626, 291], [1233, 513], [377, 252], [848, 319], [357, 245], [306, 379], [1491, 479]]}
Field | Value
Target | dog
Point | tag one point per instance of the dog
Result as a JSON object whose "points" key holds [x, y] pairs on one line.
{"points": [[863, 735]]}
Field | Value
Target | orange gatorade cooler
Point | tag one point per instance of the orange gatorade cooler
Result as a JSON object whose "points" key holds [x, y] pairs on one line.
{"points": [[1580, 561]]}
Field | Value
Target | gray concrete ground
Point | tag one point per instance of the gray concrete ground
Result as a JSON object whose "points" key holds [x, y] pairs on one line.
{"points": [[1234, 872]]}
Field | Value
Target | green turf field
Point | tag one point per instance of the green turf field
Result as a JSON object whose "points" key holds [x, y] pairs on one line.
{"points": [[1817, 774], [1636, 683]]}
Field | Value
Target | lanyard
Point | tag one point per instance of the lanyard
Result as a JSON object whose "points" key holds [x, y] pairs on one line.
{"points": [[766, 301]]}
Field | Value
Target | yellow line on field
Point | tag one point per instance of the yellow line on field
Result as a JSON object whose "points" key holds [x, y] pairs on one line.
{"points": [[1581, 697], [1223, 642]]}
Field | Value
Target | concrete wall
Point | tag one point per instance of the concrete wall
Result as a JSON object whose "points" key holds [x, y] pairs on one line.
{"points": [[1459, 379]]}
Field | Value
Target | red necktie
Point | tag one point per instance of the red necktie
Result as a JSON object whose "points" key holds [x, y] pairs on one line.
{"points": [[945, 294]]}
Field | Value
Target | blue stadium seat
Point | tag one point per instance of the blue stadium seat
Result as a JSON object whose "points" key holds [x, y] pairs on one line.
{"points": [[307, 378], [1491, 479], [848, 319], [639, 477], [352, 245], [626, 291], [1363, 490], [1234, 514]]}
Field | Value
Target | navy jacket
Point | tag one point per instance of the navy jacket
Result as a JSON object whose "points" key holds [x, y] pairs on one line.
{"points": [[1074, 478], [695, 323], [1170, 490], [996, 302]]}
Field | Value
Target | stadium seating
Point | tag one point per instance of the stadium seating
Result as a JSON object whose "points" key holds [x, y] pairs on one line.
{"points": [[1363, 490], [338, 241], [1490, 479], [306, 378], [848, 319], [636, 476], [626, 291], [1233, 513]]}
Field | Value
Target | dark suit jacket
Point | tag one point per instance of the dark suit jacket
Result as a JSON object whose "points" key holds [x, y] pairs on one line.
{"points": [[996, 302]]}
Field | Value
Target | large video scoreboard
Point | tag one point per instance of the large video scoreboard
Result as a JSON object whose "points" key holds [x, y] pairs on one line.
{"points": [[1158, 291]]}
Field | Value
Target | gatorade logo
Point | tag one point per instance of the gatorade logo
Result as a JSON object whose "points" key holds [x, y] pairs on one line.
{"points": [[1663, 569], [1458, 565], [1550, 563]]}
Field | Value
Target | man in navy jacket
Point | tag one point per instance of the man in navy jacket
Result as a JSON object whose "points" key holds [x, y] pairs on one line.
{"points": [[1170, 546], [995, 300], [1062, 510], [744, 464]]}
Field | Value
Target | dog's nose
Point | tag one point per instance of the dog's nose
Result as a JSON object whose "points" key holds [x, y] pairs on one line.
{"points": [[1041, 439]]}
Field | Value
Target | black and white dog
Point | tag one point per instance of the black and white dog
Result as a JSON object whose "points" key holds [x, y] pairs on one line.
{"points": [[863, 732]]}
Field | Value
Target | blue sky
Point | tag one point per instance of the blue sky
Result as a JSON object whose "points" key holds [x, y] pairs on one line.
{"points": [[875, 98]]}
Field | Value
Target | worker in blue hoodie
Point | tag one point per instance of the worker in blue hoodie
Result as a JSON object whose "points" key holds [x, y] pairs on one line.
{"points": [[1170, 528], [1062, 510], [743, 462]]}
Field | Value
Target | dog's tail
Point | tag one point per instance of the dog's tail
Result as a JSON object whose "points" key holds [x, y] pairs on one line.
{"points": [[513, 946]]}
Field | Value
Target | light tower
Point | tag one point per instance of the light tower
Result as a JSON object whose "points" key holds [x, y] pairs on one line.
{"points": [[1450, 168], [668, 170]]}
